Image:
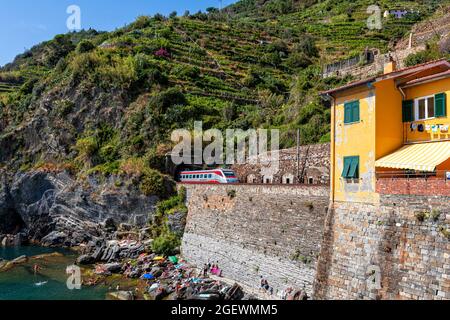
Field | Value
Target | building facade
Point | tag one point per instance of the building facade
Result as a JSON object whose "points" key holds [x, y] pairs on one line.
{"points": [[395, 125]]}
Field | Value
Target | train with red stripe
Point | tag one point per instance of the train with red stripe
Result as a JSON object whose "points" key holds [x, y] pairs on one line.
{"points": [[217, 176]]}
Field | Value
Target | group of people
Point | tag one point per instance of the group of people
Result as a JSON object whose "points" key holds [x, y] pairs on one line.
{"points": [[264, 286], [212, 268]]}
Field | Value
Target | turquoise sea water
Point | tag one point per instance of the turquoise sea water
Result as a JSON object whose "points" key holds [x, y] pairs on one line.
{"points": [[20, 283]]}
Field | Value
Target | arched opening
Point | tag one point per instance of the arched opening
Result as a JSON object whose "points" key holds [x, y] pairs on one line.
{"points": [[268, 179], [288, 179]]}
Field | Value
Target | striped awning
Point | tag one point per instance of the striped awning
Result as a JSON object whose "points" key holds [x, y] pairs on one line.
{"points": [[420, 157]]}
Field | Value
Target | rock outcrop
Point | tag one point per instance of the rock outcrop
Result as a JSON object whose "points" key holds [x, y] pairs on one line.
{"points": [[56, 210]]}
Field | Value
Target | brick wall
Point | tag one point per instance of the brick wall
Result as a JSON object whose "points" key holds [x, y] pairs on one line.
{"points": [[314, 165], [252, 230], [413, 256], [413, 186]]}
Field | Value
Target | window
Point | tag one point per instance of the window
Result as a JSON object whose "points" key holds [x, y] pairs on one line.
{"points": [[209, 176], [351, 112], [351, 168], [424, 108]]}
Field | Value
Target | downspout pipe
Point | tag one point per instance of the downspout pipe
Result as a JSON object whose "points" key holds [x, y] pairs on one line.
{"points": [[402, 92]]}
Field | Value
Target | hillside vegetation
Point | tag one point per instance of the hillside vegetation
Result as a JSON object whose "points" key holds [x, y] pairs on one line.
{"points": [[106, 102]]}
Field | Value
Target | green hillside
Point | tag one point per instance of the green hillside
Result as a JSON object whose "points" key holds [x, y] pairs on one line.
{"points": [[96, 101]]}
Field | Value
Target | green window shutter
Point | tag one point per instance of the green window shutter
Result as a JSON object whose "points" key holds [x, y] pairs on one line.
{"points": [[347, 164], [408, 114], [354, 168], [355, 111], [347, 113], [351, 112], [440, 105]]}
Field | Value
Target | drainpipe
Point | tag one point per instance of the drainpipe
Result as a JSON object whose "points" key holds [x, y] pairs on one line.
{"points": [[404, 99], [402, 92]]}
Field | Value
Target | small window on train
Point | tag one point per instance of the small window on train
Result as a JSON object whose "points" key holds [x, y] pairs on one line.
{"points": [[209, 176], [190, 176]]}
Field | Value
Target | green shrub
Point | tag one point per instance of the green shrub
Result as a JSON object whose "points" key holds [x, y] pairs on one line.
{"points": [[231, 194], [185, 72], [142, 22], [298, 60], [421, 216], [86, 148], [166, 244], [152, 183], [432, 52], [64, 107], [85, 46], [325, 138]]}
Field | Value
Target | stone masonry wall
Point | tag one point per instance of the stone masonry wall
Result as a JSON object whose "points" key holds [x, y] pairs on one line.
{"points": [[252, 230], [404, 239], [313, 165]]}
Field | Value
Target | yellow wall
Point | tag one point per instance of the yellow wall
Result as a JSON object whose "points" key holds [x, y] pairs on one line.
{"points": [[423, 90], [389, 125], [357, 139], [379, 133]]}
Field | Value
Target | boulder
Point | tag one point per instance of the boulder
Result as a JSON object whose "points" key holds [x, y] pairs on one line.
{"points": [[85, 259], [113, 267], [19, 260], [121, 295], [55, 238]]}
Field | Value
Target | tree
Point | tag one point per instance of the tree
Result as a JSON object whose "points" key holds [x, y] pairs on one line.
{"points": [[211, 10], [85, 46]]}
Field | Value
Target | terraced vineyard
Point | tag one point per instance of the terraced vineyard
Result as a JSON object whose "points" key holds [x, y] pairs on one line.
{"points": [[6, 87], [108, 96]]}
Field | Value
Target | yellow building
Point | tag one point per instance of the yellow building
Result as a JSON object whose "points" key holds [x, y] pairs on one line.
{"points": [[395, 124]]}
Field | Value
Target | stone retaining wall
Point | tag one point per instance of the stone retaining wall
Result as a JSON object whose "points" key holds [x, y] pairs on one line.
{"points": [[273, 231], [404, 240]]}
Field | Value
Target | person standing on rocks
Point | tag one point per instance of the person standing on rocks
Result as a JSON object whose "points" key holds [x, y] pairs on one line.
{"points": [[36, 268], [205, 270]]}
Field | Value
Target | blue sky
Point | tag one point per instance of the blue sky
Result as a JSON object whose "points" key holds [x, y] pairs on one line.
{"points": [[24, 23]]}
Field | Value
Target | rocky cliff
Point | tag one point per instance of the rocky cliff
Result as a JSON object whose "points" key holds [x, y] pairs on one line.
{"points": [[55, 209]]}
